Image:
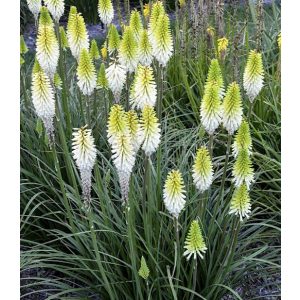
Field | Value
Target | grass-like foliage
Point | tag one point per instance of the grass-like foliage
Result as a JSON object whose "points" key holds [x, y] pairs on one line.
{"points": [[168, 181]]}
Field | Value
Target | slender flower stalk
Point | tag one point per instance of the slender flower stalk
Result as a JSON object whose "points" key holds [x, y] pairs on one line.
{"points": [[240, 203], [105, 11], [77, 34], [150, 130], [243, 169], [194, 243], [128, 50], [84, 153], [253, 75], [145, 49], [211, 108], [102, 82], [174, 193], [143, 91], [116, 76], [86, 73], [162, 42], [242, 140], [232, 108], [47, 48], [202, 170], [56, 8], [43, 99]]}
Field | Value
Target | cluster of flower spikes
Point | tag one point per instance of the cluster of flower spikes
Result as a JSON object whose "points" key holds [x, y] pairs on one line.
{"points": [[126, 134], [84, 154], [78, 38], [47, 47], [243, 174]]}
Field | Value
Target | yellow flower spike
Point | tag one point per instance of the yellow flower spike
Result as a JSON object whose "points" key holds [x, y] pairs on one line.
{"points": [[211, 31], [104, 53], [222, 46], [182, 3], [144, 270], [279, 41], [146, 10]]}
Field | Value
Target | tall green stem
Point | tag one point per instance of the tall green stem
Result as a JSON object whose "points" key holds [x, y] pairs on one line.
{"points": [[101, 268], [194, 278], [62, 73], [176, 229]]}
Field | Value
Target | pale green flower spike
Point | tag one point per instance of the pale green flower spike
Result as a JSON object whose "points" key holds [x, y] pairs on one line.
{"points": [[57, 81], [84, 153], [253, 75], [162, 42], [279, 41], [136, 23], [23, 46], [94, 51], [35, 7], [156, 10], [242, 169], [77, 34], [242, 139], [211, 108], [105, 11], [72, 14], [144, 270], [150, 130], [143, 91], [117, 123], [86, 73], [63, 38], [47, 48], [214, 76], [56, 8], [202, 170], [240, 203], [43, 98], [113, 39], [22, 61], [145, 49], [194, 242], [174, 193], [45, 18], [232, 108], [128, 50], [134, 129], [102, 82]]}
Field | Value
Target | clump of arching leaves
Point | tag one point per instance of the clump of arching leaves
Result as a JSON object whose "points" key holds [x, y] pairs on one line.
{"points": [[128, 65]]}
